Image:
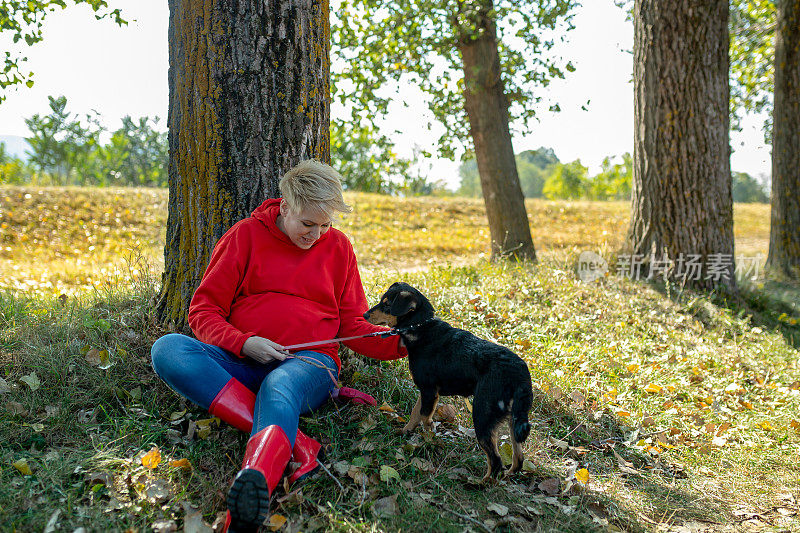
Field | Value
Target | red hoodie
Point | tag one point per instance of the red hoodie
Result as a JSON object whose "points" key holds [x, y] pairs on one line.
{"points": [[260, 283]]}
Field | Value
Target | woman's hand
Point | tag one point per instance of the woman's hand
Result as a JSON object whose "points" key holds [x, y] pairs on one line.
{"points": [[263, 350]]}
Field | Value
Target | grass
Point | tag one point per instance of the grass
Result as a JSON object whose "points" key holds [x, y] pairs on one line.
{"points": [[683, 408]]}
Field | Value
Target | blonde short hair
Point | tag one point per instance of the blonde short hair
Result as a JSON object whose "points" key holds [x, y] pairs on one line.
{"points": [[315, 185]]}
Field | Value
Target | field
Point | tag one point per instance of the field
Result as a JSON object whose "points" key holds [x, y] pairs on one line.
{"points": [[656, 409]]}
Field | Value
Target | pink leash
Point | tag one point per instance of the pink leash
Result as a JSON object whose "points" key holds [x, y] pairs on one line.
{"points": [[317, 364], [342, 339]]}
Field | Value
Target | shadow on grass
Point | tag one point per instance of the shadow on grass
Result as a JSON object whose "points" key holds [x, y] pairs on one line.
{"points": [[770, 304], [603, 446]]}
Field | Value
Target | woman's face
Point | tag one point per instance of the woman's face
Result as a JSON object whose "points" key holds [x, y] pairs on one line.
{"points": [[304, 227]]}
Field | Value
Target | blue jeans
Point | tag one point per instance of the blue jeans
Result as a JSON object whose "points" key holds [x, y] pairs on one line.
{"points": [[284, 389]]}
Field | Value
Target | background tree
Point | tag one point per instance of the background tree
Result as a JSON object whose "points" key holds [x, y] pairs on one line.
{"points": [[479, 61], [137, 154], [752, 72], [784, 237], [533, 167], [22, 20], [746, 189], [681, 200], [366, 159], [61, 145], [249, 86], [566, 181], [614, 180]]}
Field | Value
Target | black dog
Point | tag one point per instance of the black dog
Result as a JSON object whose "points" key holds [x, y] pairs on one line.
{"points": [[449, 361]]}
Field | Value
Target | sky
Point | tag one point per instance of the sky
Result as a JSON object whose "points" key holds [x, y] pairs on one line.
{"points": [[123, 71]]}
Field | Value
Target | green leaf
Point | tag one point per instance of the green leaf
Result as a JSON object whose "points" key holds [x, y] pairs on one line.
{"points": [[388, 474]]}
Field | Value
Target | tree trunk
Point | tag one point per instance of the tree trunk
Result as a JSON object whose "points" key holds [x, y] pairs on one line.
{"points": [[487, 108], [784, 235], [249, 84], [682, 206]]}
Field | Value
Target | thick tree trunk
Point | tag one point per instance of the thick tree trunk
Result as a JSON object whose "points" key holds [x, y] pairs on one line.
{"points": [[249, 84], [784, 236], [682, 206], [487, 108]]}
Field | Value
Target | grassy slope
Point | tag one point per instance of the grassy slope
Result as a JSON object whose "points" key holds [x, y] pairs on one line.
{"points": [[698, 395]]}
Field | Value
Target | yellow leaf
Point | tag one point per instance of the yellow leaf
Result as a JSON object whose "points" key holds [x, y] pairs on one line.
{"points": [[469, 404], [794, 424], [766, 426], [181, 463], [506, 453], [623, 414], [152, 458], [582, 475], [746, 404], [276, 522], [22, 466], [386, 408], [653, 388], [632, 368]]}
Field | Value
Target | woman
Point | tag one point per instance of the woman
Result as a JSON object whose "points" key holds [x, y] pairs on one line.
{"points": [[283, 276]]}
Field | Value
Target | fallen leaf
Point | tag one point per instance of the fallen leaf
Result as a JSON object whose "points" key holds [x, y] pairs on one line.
{"points": [[276, 522], [468, 404], [152, 458], [158, 490], [193, 520], [652, 388], [388, 473], [766, 426], [422, 464], [386, 506], [22, 466], [164, 526], [341, 467], [551, 486], [582, 476], [794, 424], [560, 444], [445, 413], [386, 408], [32, 381], [4, 388], [501, 510], [357, 475], [181, 463], [506, 453], [52, 524]]}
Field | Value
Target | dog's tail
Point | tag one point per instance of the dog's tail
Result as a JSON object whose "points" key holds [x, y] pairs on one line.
{"points": [[523, 399]]}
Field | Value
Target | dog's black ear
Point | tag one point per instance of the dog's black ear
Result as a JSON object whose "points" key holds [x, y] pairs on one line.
{"points": [[403, 304]]}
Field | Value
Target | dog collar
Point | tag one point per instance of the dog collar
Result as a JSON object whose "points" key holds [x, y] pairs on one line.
{"points": [[414, 326]]}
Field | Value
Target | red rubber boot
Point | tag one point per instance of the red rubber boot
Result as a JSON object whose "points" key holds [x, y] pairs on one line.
{"points": [[234, 404], [306, 451], [265, 459]]}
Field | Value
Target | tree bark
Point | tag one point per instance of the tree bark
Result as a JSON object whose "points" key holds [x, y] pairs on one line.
{"points": [[784, 235], [249, 84], [682, 206], [487, 109]]}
